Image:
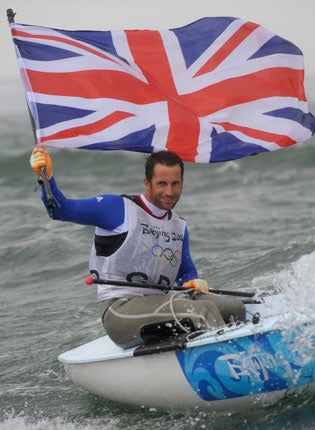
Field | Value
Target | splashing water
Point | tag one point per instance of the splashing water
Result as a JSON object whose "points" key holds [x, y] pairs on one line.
{"points": [[296, 283]]}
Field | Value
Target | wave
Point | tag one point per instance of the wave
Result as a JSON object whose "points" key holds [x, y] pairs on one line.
{"points": [[296, 282]]}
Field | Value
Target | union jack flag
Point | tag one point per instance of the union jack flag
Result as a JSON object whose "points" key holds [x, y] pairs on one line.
{"points": [[218, 89]]}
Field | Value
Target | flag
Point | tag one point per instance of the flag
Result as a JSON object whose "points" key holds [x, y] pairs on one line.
{"points": [[217, 89]]}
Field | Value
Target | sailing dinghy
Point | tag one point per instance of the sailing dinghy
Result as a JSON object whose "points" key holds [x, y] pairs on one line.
{"points": [[234, 368]]}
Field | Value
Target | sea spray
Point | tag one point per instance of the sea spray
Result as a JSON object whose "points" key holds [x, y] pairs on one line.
{"points": [[296, 283]]}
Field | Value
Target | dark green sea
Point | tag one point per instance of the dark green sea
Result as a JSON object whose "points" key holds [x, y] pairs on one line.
{"points": [[252, 227]]}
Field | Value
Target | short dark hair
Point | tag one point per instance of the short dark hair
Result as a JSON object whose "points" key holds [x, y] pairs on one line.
{"points": [[166, 158]]}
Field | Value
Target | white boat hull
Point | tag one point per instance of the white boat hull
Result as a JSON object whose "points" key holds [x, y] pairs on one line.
{"points": [[242, 366]]}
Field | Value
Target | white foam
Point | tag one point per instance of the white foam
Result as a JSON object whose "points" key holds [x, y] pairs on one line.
{"points": [[297, 284], [21, 422]]}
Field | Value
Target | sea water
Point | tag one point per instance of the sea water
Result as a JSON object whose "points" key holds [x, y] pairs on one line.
{"points": [[252, 227]]}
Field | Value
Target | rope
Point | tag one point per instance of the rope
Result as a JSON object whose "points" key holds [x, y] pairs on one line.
{"points": [[205, 332], [177, 321]]}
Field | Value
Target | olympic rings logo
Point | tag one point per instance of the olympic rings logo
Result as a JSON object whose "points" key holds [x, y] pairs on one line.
{"points": [[167, 255]]}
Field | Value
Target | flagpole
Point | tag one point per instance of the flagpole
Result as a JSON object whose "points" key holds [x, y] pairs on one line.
{"points": [[50, 204]]}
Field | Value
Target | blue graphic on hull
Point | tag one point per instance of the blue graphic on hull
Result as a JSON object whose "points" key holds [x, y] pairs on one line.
{"points": [[246, 366]]}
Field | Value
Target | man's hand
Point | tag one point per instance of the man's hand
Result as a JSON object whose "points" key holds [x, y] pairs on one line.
{"points": [[199, 285], [40, 158]]}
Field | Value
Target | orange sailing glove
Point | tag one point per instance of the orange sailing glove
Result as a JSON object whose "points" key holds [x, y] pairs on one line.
{"points": [[200, 285], [40, 158]]}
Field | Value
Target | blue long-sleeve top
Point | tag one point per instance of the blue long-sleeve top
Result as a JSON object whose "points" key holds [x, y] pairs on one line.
{"points": [[106, 211]]}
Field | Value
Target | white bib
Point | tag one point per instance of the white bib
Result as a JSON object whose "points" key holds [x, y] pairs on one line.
{"points": [[152, 252]]}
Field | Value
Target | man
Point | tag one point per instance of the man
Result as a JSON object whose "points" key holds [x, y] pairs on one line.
{"points": [[141, 238]]}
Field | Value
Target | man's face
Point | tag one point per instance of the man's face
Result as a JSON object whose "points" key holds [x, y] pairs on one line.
{"points": [[165, 188]]}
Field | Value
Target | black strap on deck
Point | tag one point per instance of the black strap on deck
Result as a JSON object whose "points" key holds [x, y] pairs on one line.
{"points": [[163, 345]]}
